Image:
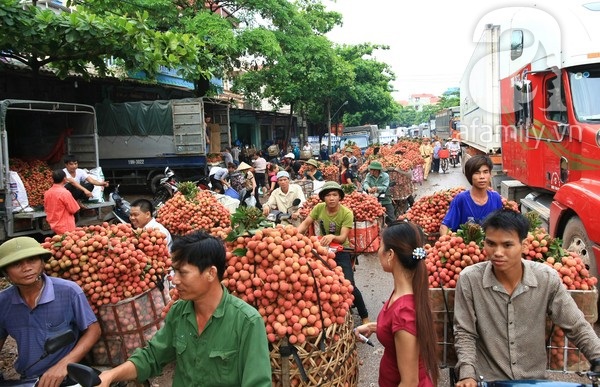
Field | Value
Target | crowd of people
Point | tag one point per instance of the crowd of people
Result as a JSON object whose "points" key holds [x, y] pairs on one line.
{"points": [[500, 309]]}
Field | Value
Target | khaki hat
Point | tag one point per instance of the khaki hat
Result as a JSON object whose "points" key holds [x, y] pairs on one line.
{"points": [[331, 186], [20, 248], [313, 162], [375, 165], [243, 166], [349, 150]]}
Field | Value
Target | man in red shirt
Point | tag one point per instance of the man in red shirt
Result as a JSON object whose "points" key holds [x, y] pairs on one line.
{"points": [[60, 205]]}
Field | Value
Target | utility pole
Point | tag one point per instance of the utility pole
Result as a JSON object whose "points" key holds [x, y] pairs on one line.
{"points": [[329, 119]]}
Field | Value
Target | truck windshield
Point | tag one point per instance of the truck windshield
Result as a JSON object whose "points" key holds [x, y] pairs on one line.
{"points": [[585, 87], [361, 141]]}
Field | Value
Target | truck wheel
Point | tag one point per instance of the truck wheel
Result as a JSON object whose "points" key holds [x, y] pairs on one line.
{"points": [[575, 239], [155, 182]]}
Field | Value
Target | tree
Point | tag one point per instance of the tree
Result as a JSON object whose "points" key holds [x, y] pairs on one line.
{"points": [[450, 98], [80, 42], [370, 98], [303, 68]]}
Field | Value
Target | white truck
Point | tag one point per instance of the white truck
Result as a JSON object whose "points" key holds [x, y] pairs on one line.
{"points": [[41, 130]]}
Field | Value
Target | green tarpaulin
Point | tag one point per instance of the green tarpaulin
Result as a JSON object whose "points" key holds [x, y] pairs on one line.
{"points": [[145, 118]]}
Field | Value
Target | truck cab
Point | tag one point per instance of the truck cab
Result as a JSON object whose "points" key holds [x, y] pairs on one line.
{"points": [[530, 98]]}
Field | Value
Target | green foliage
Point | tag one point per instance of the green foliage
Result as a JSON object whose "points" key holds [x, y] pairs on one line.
{"points": [[348, 188], [70, 42], [188, 189], [449, 99], [273, 49], [246, 220], [534, 220], [471, 232]]}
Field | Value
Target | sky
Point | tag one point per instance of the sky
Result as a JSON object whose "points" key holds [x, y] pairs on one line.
{"points": [[430, 41]]}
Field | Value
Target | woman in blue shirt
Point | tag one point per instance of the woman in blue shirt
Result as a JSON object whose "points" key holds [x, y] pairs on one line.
{"points": [[478, 202]]}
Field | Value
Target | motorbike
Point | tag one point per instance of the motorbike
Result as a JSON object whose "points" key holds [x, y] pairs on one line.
{"points": [[593, 375], [277, 217], [454, 158], [51, 345], [121, 209], [168, 187], [444, 155]]}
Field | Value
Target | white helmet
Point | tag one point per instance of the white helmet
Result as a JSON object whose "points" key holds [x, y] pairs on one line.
{"points": [[290, 156]]}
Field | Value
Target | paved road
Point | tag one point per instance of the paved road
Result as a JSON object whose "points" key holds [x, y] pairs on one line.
{"points": [[376, 285]]}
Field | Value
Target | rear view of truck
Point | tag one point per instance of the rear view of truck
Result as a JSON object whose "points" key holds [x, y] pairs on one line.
{"points": [[362, 136], [39, 133], [137, 140]]}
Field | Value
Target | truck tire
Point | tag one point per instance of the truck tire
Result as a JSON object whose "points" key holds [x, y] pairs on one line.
{"points": [[575, 239], [155, 182]]}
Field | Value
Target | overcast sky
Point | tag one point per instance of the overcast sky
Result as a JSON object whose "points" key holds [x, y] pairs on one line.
{"points": [[430, 41]]}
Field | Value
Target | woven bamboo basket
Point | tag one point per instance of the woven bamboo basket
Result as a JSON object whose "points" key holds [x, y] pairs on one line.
{"points": [[330, 359], [307, 187], [403, 186]]}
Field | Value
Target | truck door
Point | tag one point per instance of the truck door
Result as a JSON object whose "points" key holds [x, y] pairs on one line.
{"points": [[188, 128]]}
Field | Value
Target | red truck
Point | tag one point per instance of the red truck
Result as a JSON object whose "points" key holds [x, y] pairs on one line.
{"points": [[530, 98]]}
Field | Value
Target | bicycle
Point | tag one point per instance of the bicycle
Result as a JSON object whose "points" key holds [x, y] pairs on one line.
{"points": [[444, 163]]}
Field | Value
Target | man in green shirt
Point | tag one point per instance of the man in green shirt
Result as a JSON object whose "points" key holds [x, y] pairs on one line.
{"points": [[377, 183], [215, 339], [334, 222]]}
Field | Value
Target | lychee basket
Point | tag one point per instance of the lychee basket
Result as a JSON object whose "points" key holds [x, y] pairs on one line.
{"points": [[329, 359], [128, 325]]}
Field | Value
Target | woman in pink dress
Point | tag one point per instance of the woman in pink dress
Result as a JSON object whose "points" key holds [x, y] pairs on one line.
{"points": [[405, 324]]}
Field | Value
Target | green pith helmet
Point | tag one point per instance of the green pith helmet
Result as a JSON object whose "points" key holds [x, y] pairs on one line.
{"points": [[20, 248], [331, 186], [313, 163], [375, 165]]}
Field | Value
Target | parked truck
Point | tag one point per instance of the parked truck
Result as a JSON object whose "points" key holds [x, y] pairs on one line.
{"points": [[46, 131], [447, 121], [363, 136], [137, 140], [530, 98]]}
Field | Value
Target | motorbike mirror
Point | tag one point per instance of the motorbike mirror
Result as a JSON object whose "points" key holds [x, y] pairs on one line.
{"points": [[296, 202], [55, 343], [83, 375]]}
